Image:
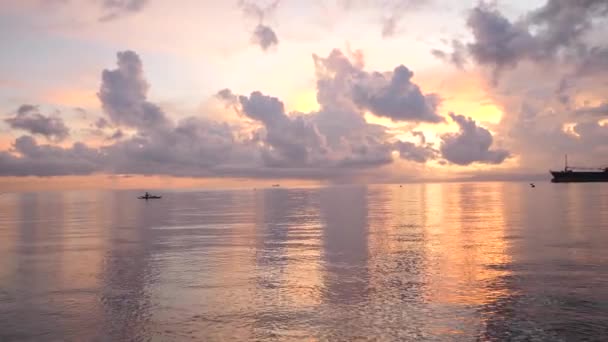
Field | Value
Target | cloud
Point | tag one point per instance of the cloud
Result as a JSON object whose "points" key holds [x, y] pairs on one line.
{"points": [[418, 153], [48, 160], [552, 31], [29, 119], [194, 147], [391, 12], [394, 96], [102, 123], [599, 110], [117, 135], [123, 95], [114, 9], [263, 35], [397, 10], [297, 140], [471, 144], [458, 56], [387, 94], [334, 141], [337, 135], [498, 42]]}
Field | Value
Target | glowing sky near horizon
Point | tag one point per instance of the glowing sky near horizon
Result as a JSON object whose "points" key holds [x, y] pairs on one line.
{"points": [[526, 84]]}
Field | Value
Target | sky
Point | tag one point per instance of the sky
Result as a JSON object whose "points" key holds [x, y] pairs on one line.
{"points": [[127, 92]]}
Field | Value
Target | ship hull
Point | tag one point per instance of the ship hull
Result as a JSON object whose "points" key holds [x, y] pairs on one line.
{"points": [[579, 177]]}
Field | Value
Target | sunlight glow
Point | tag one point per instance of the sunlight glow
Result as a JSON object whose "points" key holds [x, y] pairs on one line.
{"points": [[568, 128], [304, 102]]}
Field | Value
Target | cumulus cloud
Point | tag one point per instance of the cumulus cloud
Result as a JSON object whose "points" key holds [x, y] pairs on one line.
{"points": [[263, 35], [289, 141], [194, 147], [387, 94], [334, 141], [552, 64], [296, 140], [337, 135], [29, 119], [32, 159], [190, 147], [123, 95], [551, 31], [394, 96], [471, 144]]}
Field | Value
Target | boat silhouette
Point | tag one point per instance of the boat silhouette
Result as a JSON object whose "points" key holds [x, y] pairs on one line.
{"points": [[147, 196], [572, 174]]}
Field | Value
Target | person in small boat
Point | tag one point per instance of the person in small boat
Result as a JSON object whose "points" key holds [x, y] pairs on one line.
{"points": [[147, 195]]}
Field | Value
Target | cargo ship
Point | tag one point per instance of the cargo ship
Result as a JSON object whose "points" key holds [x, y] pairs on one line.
{"points": [[579, 174]]}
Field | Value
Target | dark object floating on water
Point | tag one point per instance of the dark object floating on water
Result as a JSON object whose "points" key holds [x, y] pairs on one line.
{"points": [[572, 174], [147, 196], [532, 185], [275, 185]]}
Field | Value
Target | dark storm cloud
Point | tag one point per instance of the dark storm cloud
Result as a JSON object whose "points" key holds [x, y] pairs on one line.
{"points": [[116, 8], [263, 35], [29, 119], [471, 144], [123, 95]]}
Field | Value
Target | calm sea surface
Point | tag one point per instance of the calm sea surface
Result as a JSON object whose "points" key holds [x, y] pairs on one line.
{"points": [[447, 262]]}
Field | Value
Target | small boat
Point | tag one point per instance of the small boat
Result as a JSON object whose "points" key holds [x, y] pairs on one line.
{"points": [[276, 185], [147, 196]]}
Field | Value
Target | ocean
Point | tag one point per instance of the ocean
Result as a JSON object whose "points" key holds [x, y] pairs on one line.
{"points": [[431, 262]]}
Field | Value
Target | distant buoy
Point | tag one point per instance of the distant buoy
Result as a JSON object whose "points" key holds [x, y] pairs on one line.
{"points": [[532, 185]]}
